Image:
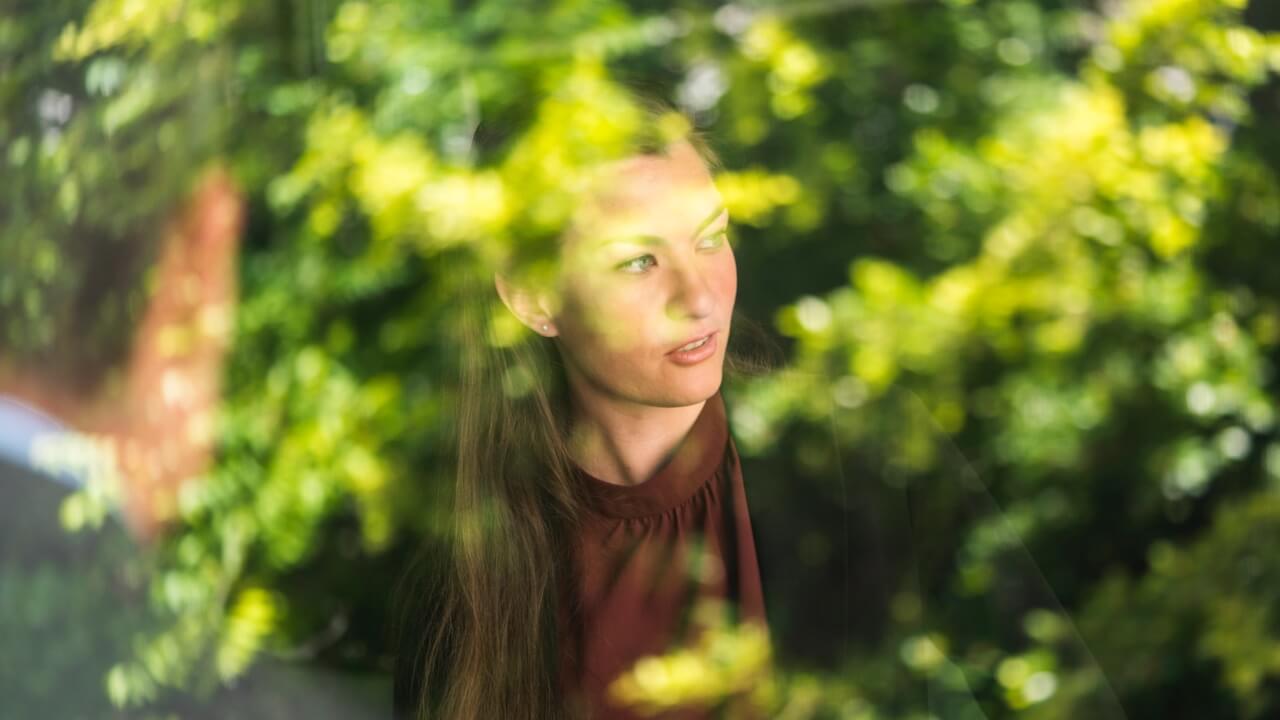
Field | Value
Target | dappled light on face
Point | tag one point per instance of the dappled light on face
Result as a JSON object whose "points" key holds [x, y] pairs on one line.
{"points": [[647, 267]]}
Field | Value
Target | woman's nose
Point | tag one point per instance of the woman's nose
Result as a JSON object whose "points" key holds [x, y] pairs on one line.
{"points": [[692, 296]]}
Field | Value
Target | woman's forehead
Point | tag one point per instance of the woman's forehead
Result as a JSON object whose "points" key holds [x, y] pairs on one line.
{"points": [[674, 189], [680, 161]]}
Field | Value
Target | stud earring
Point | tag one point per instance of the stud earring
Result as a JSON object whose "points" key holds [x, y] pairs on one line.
{"points": [[544, 327]]}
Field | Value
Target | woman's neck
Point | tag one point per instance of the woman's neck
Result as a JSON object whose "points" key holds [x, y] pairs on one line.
{"points": [[624, 442]]}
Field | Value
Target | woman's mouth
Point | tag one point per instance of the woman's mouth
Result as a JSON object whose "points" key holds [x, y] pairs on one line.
{"points": [[695, 351]]}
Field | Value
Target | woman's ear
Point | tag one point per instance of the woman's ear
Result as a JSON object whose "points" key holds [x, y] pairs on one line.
{"points": [[530, 307]]}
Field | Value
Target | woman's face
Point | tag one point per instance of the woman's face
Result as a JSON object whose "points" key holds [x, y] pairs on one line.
{"points": [[647, 268]]}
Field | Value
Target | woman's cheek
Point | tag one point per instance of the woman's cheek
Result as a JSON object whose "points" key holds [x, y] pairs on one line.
{"points": [[729, 280], [613, 316], [627, 311]]}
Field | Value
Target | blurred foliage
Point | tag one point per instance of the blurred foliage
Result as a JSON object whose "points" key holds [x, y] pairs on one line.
{"points": [[1033, 235], [97, 145], [728, 661]]}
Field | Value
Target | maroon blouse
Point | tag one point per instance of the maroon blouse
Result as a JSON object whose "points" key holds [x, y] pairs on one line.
{"points": [[640, 569]]}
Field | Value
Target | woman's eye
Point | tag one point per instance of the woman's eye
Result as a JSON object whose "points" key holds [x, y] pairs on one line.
{"points": [[639, 264]]}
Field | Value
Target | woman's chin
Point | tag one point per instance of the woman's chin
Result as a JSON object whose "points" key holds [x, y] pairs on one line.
{"points": [[693, 389]]}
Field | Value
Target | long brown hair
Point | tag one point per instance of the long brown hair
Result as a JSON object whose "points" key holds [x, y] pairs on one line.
{"points": [[492, 646]]}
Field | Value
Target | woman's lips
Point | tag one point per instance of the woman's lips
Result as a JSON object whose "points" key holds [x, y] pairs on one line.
{"points": [[697, 354]]}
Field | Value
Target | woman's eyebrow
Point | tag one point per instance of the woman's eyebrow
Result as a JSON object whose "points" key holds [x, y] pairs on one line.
{"points": [[656, 241], [715, 214]]}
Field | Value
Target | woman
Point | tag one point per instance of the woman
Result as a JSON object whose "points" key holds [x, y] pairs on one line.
{"points": [[598, 498]]}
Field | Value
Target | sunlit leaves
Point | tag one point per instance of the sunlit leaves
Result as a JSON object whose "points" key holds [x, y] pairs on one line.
{"points": [[794, 66], [1027, 679], [1187, 54], [1051, 181], [923, 653], [727, 661], [164, 659], [249, 619], [133, 23], [396, 182], [92, 463], [1069, 235], [586, 120], [752, 196]]}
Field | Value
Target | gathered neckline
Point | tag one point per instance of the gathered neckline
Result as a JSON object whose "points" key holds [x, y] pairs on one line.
{"points": [[694, 461]]}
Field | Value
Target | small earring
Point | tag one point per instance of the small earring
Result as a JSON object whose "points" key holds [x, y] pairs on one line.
{"points": [[544, 327]]}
